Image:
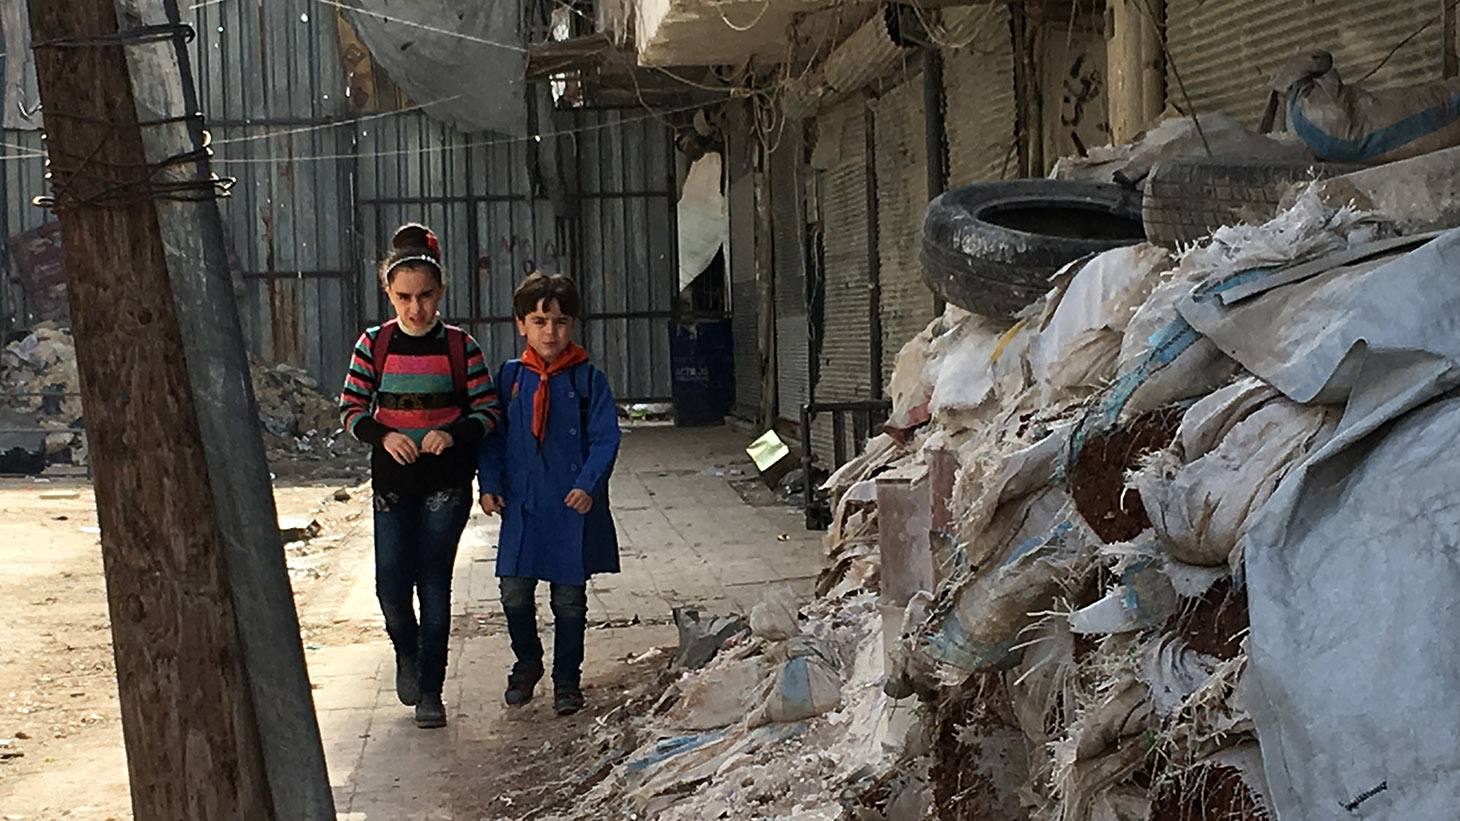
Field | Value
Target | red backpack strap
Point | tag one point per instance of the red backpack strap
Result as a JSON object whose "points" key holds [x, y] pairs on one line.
{"points": [[456, 353], [380, 347]]}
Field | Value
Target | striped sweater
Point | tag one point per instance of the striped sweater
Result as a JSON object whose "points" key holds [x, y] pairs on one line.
{"points": [[413, 396]]}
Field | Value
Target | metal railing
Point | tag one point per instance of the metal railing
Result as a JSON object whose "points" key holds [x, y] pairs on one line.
{"points": [[865, 416]]}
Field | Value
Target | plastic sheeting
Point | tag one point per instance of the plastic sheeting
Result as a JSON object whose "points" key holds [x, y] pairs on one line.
{"points": [[463, 61], [22, 96], [703, 221], [1354, 582]]}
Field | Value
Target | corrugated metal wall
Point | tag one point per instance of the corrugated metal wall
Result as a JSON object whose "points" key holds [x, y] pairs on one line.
{"points": [[319, 191], [740, 144], [1227, 52], [269, 79], [846, 347], [902, 198], [788, 177], [628, 185], [23, 178], [978, 87]]}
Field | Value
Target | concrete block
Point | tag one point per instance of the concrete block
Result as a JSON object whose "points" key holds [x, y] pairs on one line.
{"points": [[904, 513]]}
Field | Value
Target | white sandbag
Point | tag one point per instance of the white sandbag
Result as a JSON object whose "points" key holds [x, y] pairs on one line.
{"points": [[1209, 421], [1079, 345], [1219, 134], [978, 618], [807, 684], [1348, 123], [909, 386], [1200, 511], [721, 695], [963, 375]]}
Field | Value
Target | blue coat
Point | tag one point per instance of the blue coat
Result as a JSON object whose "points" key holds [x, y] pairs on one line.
{"points": [[542, 538]]}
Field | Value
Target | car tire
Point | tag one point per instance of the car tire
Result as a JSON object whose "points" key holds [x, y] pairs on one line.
{"points": [[991, 247], [1186, 198]]}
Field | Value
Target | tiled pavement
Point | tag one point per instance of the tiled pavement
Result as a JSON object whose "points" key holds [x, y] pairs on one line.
{"points": [[687, 538]]}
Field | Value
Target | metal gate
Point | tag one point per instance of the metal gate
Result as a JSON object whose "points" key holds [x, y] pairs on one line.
{"points": [[496, 223]]}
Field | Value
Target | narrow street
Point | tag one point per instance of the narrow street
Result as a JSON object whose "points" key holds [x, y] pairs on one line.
{"points": [[688, 536]]}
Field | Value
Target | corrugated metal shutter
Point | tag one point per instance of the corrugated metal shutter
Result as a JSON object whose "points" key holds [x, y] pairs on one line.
{"points": [[846, 350], [740, 257], [1227, 52], [978, 86], [788, 228], [902, 197]]}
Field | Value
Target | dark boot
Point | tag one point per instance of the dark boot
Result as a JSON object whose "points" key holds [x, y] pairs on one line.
{"points": [[430, 712], [567, 698], [407, 687], [520, 683]]}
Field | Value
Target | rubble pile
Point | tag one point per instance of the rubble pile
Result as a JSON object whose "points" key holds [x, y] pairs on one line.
{"points": [[299, 421], [1112, 562], [40, 389]]}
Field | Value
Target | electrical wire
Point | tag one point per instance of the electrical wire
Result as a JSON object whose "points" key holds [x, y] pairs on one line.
{"points": [[764, 7], [326, 126], [1402, 43], [475, 144]]}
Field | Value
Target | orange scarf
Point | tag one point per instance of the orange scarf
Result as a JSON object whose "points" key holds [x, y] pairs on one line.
{"points": [[571, 356]]}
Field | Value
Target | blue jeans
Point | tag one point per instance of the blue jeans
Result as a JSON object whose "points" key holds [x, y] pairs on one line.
{"points": [[570, 615], [415, 548]]}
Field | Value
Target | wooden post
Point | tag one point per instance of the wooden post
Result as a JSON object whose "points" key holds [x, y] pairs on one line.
{"points": [[765, 284], [190, 542], [1447, 39], [1137, 89]]}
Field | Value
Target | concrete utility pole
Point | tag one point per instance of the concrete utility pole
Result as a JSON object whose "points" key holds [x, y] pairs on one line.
{"points": [[216, 706]]}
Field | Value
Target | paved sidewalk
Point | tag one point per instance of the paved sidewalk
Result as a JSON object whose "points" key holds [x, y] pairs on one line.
{"points": [[687, 538]]}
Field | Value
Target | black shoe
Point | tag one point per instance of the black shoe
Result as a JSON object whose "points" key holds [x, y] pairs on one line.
{"points": [[567, 699], [430, 712], [406, 687], [520, 683]]}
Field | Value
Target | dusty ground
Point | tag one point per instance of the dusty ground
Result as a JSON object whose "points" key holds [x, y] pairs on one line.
{"points": [[61, 749]]}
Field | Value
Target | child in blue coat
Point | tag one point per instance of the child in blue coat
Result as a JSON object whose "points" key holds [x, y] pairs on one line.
{"points": [[545, 469]]}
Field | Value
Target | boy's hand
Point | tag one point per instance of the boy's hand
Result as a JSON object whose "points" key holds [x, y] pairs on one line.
{"points": [[400, 447], [491, 503], [579, 501], [436, 442]]}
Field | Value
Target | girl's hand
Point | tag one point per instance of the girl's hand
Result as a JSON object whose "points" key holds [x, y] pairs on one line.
{"points": [[579, 501], [436, 442], [491, 503], [400, 447]]}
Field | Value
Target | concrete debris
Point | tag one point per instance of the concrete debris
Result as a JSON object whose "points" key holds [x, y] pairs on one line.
{"points": [[40, 391], [299, 529]]}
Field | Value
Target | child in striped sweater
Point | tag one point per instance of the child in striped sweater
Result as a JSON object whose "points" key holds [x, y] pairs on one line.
{"points": [[420, 393]]}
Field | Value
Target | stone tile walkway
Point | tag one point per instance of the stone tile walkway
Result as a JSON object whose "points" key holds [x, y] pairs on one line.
{"points": [[687, 538]]}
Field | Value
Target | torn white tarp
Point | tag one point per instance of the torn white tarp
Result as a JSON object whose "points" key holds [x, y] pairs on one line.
{"points": [[22, 96], [462, 61], [702, 221], [1354, 584], [1354, 598]]}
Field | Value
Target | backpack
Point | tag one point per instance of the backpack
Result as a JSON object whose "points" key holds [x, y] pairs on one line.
{"points": [[455, 352]]}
